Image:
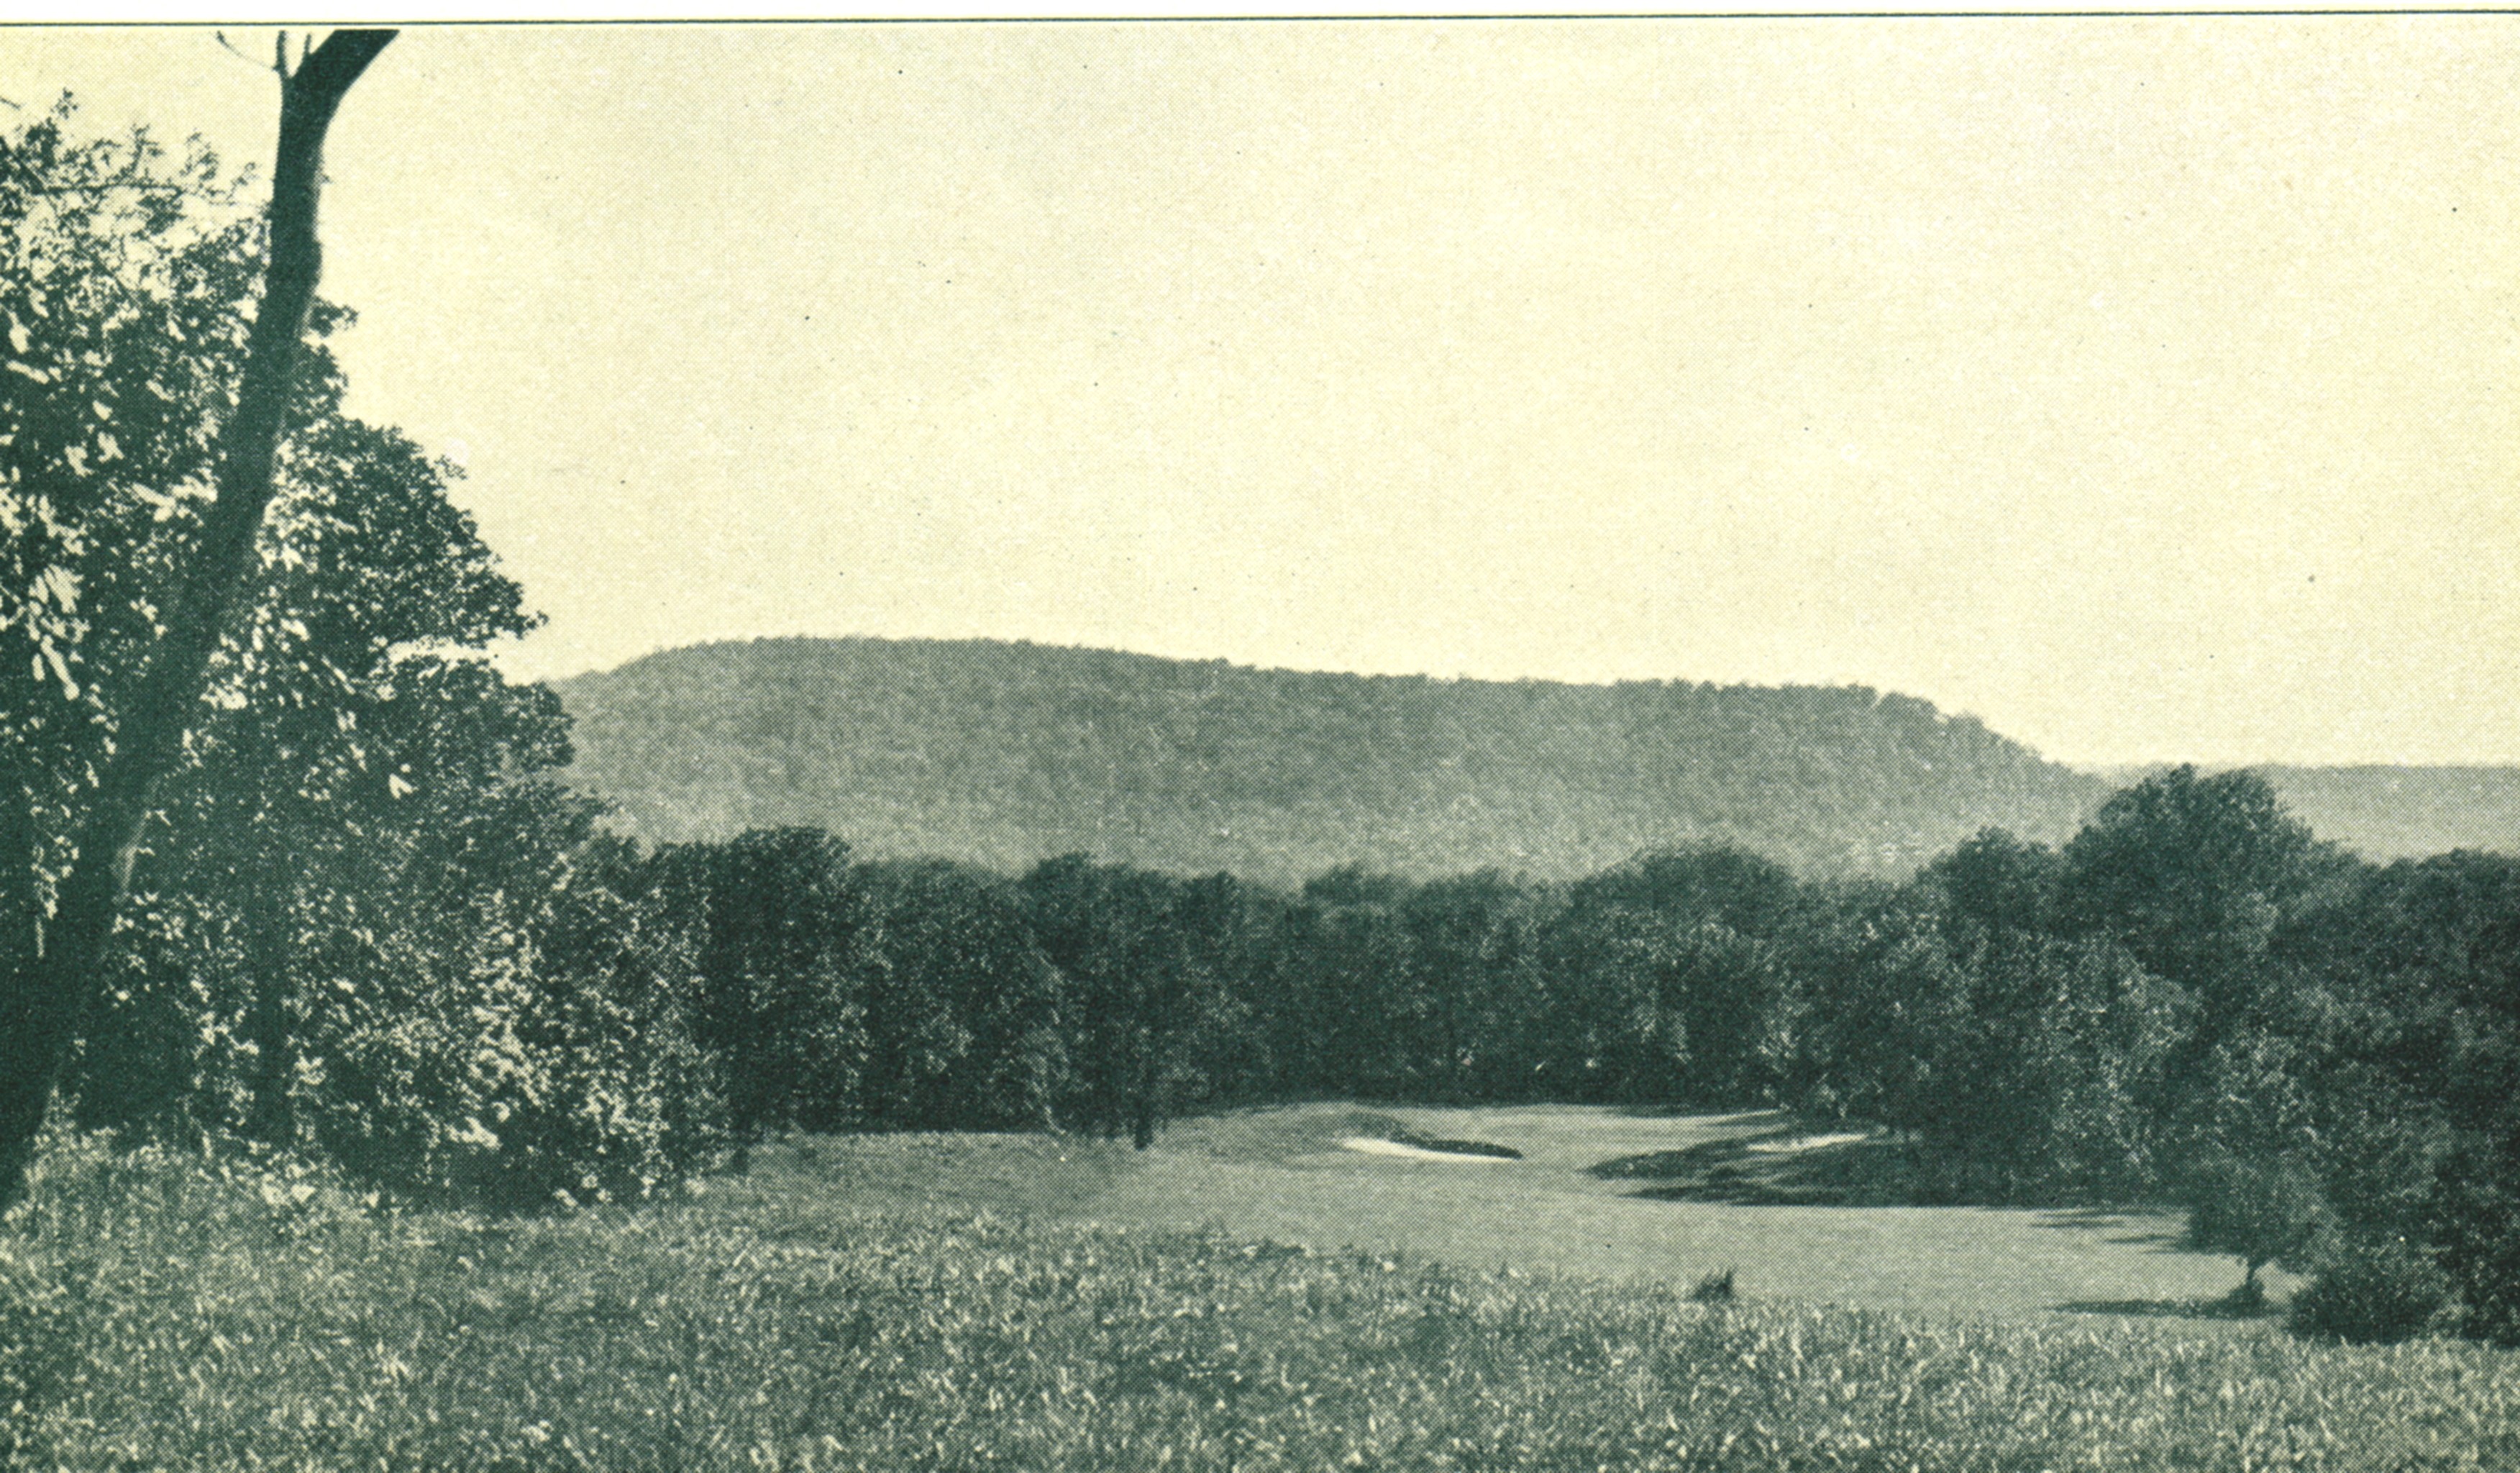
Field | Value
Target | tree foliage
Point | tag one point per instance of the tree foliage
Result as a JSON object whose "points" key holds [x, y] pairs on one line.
{"points": [[355, 920]]}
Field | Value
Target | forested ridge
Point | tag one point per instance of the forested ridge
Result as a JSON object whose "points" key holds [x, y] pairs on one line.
{"points": [[2386, 811], [1004, 754]]}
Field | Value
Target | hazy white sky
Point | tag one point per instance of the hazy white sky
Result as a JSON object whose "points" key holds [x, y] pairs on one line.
{"points": [[2142, 386]]}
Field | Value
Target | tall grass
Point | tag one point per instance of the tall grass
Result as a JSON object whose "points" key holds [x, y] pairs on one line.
{"points": [[242, 1318]]}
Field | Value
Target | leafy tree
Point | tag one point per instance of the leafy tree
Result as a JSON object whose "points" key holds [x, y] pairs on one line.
{"points": [[1879, 991], [2065, 1041], [1474, 943], [1995, 885], [2043, 1059], [1215, 1057], [775, 916], [1355, 885], [458, 985], [329, 730], [104, 270], [1743, 891], [356, 913], [2193, 873], [486, 1050], [963, 1012], [1673, 976], [1145, 959], [640, 1101], [2104, 1037], [2261, 1211], [1349, 1010], [2413, 1067], [2026, 1063]]}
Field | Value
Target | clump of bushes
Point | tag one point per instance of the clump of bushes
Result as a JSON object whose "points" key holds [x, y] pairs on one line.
{"points": [[521, 1035], [2373, 1292], [2475, 1217]]}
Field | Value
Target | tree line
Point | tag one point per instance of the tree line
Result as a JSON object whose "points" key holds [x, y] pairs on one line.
{"points": [[2193, 1002]]}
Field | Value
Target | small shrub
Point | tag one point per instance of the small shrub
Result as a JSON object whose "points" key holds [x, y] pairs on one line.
{"points": [[2247, 1299], [2475, 1220], [1713, 1288], [2372, 1293], [2260, 1212]]}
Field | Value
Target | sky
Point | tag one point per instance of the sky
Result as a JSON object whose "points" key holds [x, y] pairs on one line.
{"points": [[2145, 387]]}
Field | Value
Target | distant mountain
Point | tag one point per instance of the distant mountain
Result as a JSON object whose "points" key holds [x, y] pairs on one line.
{"points": [[2386, 813], [1004, 754]]}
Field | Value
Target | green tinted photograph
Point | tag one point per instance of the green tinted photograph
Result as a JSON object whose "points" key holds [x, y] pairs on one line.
{"points": [[1743, 743]]}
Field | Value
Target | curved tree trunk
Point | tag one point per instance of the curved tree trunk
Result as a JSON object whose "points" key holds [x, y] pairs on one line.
{"points": [[51, 971]]}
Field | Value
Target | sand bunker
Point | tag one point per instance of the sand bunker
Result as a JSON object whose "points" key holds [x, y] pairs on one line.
{"points": [[1801, 1143], [1375, 1148]]}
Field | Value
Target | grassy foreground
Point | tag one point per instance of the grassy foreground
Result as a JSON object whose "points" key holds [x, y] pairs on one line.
{"points": [[158, 1314]]}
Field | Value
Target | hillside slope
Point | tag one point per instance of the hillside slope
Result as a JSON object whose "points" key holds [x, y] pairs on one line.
{"points": [[1002, 754], [2386, 813]]}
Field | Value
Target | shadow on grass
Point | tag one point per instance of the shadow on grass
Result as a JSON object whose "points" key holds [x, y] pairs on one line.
{"points": [[2229, 1306], [1712, 1119], [1790, 1166], [1780, 1167], [2102, 1220]]}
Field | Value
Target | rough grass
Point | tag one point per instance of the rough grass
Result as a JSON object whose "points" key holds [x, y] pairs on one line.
{"points": [[246, 1319]]}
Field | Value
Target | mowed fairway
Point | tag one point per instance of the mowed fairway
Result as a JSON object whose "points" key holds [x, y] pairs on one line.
{"points": [[1283, 1175]]}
